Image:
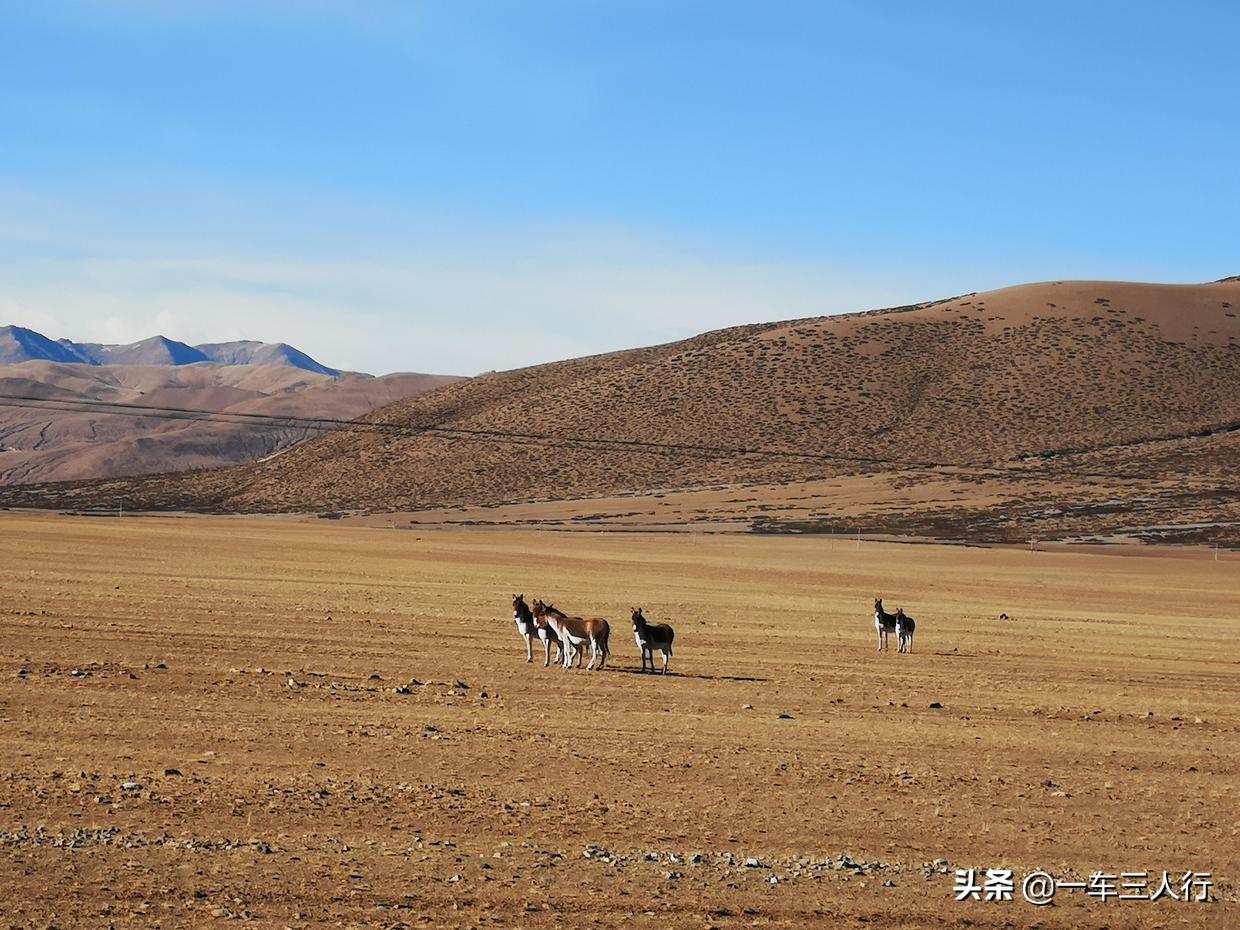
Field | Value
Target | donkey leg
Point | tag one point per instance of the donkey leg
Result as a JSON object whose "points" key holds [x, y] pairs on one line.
{"points": [[665, 658], [529, 647]]}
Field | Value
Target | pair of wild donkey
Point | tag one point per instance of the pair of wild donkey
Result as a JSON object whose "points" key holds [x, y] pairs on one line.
{"points": [[900, 623], [571, 635]]}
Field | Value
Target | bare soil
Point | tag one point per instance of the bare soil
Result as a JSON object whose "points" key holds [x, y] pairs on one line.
{"points": [[263, 722]]}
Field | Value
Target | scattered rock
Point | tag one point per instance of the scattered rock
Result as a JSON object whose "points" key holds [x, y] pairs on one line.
{"points": [[785, 716], [170, 771], [935, 705]]}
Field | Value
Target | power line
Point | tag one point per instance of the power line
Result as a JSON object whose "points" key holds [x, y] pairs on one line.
{"points": [[333, 424]]}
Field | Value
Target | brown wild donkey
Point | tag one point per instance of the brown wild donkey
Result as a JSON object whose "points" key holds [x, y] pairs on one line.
{"points": [[574, 633]]}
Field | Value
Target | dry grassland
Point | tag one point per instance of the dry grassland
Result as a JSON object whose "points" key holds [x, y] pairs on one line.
{"points": [[199, 727]]}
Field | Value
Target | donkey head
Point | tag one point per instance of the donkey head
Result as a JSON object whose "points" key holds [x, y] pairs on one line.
{"points": [[878, 604], [518, 606], [540, 613], [639, 621]]}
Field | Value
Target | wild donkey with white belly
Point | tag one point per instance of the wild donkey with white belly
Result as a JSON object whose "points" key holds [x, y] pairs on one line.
{"points": [[899, 623], [905, 625], [652, 636], [575, 632], [529, 630]]}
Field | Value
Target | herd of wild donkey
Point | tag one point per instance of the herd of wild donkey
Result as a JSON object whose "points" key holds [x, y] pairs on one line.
{"points": [[571, 635]]}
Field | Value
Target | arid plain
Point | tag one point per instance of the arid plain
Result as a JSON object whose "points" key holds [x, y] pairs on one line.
{"points": [[272, 722]]}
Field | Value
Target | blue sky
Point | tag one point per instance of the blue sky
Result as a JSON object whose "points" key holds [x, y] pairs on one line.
{"points": [[455, 186]]}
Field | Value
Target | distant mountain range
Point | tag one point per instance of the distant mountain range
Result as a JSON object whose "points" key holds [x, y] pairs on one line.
{"points": [[19, 344]]}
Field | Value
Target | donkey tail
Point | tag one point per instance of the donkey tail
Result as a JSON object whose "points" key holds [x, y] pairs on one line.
{"points": [[603, 637], [671, 637]]}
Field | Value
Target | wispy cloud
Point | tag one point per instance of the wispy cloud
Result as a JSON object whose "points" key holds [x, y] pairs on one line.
{"points": [[393, 295]]}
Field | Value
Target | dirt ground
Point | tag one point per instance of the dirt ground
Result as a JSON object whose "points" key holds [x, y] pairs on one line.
{"points": [[200, 726]]}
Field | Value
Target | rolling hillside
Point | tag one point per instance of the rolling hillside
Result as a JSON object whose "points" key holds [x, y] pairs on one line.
{"points": [[39, 443], [995, 384]]}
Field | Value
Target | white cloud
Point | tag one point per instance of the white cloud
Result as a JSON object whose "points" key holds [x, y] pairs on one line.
{"points": [[376, 295]]}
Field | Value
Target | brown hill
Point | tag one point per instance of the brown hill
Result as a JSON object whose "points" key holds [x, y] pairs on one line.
{"points": [[50, 444], [985, 383]]}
